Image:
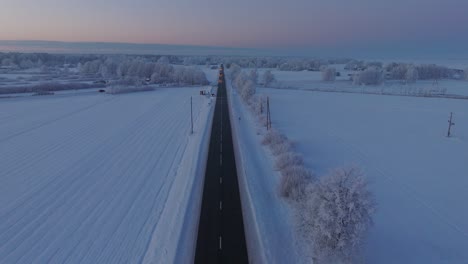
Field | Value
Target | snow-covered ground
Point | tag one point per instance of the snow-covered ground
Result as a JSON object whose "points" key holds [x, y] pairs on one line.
{"points": [[97, 178], [268, 220], [308, 80], [418, 175]]}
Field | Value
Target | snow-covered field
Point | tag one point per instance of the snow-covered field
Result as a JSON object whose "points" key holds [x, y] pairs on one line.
{"points": [[308, 80], [418, 175], [97, 178]]}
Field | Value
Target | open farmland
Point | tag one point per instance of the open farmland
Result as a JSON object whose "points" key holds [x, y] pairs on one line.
{"points": [[418, 175], [96, 178]]}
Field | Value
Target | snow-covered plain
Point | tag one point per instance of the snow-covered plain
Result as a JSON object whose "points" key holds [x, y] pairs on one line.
{"points": [[98, 178], [418, 175], [311, 80]]}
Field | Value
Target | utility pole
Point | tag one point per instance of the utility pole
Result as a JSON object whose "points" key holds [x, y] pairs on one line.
{"points": [[191, 113], [450, 125], [268, 114]]}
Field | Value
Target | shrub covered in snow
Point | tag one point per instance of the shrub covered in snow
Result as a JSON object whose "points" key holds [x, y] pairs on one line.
{"points": [[281, 148], [253, 75], [247, 90], [337, 214], [273, 137], [432, 71], [234, 71], [258, 104], [354, 65], [293, 182], [244, 85], [49, 86], [396, 71], [119, 89], [328, 74], [412, 74], [286, 160], [268, 78], [370, 76]]}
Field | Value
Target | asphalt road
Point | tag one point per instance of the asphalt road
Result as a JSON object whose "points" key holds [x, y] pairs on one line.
{"points": [[221, 237]]}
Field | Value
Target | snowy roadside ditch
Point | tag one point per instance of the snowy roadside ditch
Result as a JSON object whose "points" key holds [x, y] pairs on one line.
{"points": [[323, 219], [174, 240]]}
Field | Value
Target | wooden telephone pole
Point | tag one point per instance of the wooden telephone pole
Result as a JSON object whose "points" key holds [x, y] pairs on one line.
{"points": [[450, 125], [191, 114], [268, 124]]}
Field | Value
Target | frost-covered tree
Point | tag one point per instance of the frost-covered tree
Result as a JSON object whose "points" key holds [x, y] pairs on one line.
{"points": [[370, 76], [268, 78], [26, 64], [253, 75], [375, 64], [411, 74], [245, 86], [328, 74], [397, 71], [234, 71], [293, 182], [337, 215], [91, 67], [248, 90], [163, 60], [354, 65], [433, 72]]}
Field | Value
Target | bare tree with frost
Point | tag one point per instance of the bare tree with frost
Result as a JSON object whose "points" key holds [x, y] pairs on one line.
{"points": [[234, 71], [328, 74], [411, 75], [337, 215], [254, 76], [370, 76], [268, 78]]}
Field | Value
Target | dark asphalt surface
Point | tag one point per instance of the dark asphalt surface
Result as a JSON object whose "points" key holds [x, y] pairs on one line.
{"points": [[221, 237]]}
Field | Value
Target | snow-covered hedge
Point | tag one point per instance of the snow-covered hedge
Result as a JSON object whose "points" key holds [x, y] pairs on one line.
{"points": [[268, 78], [328, 74], [49, 86], [119, 89], [433, 72], [370, 76], [286, 160], [412, 74], [293, 182], [243, 82]]}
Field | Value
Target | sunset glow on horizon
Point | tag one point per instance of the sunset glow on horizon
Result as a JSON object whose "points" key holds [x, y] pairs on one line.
{"points": [[242, 23]]}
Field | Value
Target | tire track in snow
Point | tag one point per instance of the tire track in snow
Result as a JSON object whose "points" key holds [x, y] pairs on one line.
{"points": [[52, 120]]}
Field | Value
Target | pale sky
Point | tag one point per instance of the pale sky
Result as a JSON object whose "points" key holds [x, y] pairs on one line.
{"points": [[240, 23]]}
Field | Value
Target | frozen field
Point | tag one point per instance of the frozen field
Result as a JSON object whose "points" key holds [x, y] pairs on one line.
{"points": [[98, 178], [418, 175], [308, 80]]}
